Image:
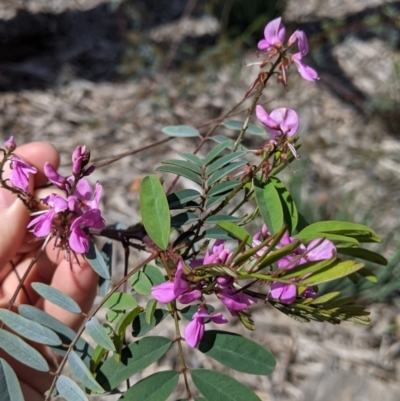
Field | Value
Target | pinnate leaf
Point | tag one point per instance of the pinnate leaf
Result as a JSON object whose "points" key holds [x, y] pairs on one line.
{"points": [[237, 352], [134, 358], [182, 131], [9, 383], [69, 390], [99, 334], [120, 301], [217, 386], [140, 327], [154, 211], [157, 387], [181, 171], [22, 352], [56, 297], [97, 262], [27, 328]]}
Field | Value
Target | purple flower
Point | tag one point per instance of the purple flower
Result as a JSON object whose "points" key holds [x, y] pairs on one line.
{"points": [[20, 173], [305, 71], [179, 289], [55, 178], [274, 35], [78, 240], [81, 201], [280, 121], [77, 157], [286, 293], [195, 329], [10, 144]]}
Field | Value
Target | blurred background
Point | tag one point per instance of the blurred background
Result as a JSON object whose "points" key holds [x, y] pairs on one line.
{"points": [[111, 74]]}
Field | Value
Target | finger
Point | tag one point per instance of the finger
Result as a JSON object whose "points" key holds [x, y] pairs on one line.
{"points": [[14, 216], [78, 281]]}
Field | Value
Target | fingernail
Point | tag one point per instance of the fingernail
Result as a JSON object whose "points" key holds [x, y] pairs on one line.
{"points": [[7, 198]]}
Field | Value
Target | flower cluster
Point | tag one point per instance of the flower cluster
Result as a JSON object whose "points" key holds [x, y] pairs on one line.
{"points": [[69, 215], [274, 42], [187, 287]]}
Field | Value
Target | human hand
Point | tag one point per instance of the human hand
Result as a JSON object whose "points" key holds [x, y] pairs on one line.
{"points": [[18, 247]]}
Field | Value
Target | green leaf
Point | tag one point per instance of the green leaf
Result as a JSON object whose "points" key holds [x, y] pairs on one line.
{"points": [[359, 232], [192, 157], [290, 213], [140, 327], [120, 301], [150, 310], [157, 387], [368, 275], [221, 217], [223, 161], [237, 352], [154, 211], [98, 333], [184, 164], [154, 274], [56, 297], [214, 152], [106, 253], [222, 138], [134, 358], [269, 203], [219, 174], [236, 232], [182, 131], [183, 218], [325, 298], [66, 334], [9, 383], [126, 320], [251, 128], [223, 187], [179, 199], [113, 316], [82, 373], [217, 386], [141, 283], [363, 254], [181, 171], [22, 352], [96, 261], [69, 390], [213, 200], [27, 328], [217, 233], [335, 238]]}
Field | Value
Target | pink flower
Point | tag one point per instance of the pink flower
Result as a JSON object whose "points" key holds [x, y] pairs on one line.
{"points": [[274, 35], [77, 157], [305, 71], [10, 144], [179, 289], [55, 178], [286, 293], [195, 329], [20, 173], [281, 121]]}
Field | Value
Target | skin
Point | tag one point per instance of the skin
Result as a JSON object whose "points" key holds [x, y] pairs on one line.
{"points": [[77, 280]]}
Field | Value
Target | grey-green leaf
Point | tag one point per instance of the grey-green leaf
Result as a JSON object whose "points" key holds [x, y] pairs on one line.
{"points": [[223, 161], [56, 297], [99, 334], [134, 358], [180, 171], [214, 386], [154, 211], [157, 387], [221, 217], [179, 199], [182, 131], [22, 352], [214, 152], [82, 373], [141, 283], [237, 352], [183, 163], [223, 187], [97, 262], [217, 233], [238, 125], [140, 327], [69, 390], [192, 157], [154, 274], [27, 328], [65, 333], [183, 218], [9, 383], [219, 174]]}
